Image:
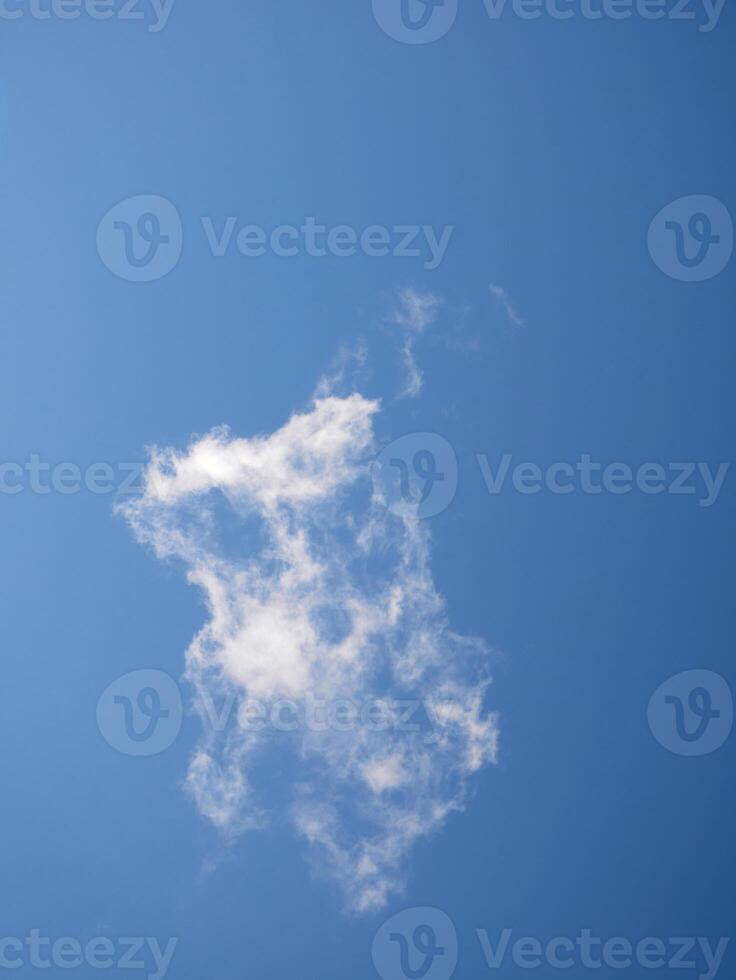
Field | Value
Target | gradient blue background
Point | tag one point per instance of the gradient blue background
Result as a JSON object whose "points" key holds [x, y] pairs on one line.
{"points": [[550, 146]]}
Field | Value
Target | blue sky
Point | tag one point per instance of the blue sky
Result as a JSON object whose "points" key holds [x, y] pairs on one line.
{"points": [[548, 330]]}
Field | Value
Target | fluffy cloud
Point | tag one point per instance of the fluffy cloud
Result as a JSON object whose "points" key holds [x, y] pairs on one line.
{"points": [[317, 594]]}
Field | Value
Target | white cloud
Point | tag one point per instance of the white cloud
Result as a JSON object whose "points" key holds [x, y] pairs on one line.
{"points": [[415, 312], [388, 773], [505, 300], [332, 599]]}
